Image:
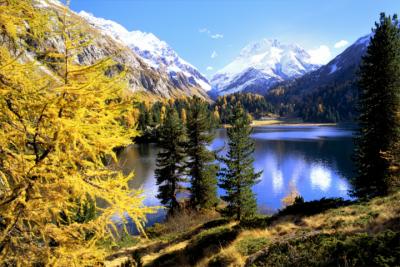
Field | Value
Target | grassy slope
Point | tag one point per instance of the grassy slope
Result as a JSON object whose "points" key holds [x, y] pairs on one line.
{"points": [[325, 233]]}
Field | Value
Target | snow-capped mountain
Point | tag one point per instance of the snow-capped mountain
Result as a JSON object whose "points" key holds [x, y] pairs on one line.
{"points": [[261, 65], [155, 52]]}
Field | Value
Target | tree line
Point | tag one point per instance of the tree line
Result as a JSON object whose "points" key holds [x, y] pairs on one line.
{"points": [[151, 115]]}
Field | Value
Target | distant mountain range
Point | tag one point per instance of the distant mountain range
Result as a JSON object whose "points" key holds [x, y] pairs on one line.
{"points": [[284, 73], [260, 66]]}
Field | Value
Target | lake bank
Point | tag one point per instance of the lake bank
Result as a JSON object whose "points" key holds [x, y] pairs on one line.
{"points": [[285, 122], [261, 123]]}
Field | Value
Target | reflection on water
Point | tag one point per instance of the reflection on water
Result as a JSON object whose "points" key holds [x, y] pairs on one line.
{"points": [[315, 160]]}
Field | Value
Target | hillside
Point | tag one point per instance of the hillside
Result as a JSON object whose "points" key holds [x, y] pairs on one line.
{"points": [[141, 76], [318, 233], [327, 94]]}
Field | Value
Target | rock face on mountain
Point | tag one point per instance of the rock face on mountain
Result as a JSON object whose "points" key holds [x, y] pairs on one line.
{"points": [[262, 65], [152, 67], [154, 52]]}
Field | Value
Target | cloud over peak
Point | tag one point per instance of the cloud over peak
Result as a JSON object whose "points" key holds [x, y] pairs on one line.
{"points": [[320, 55], [341, 43]]}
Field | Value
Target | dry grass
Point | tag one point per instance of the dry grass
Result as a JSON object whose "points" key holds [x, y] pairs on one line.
{"points": [[170, 249], [181, 222], [373, 217]]}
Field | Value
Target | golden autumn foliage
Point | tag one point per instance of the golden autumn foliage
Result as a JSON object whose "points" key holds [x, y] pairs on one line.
{"points": [[293, 193], [57, 136]]}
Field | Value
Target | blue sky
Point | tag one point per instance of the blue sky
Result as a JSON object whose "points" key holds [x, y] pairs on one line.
{"points": [[210, 33]]}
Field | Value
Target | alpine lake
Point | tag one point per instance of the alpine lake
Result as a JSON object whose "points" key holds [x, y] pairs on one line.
{"points": [[312, 160]]}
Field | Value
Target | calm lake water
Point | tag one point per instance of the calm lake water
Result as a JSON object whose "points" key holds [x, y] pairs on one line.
{"points": [[315, 160]]}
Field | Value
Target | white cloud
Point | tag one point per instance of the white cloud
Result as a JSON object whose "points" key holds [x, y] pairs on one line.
{"points": [[210, 34], [214, 54], [204, 30], [209, 68], [341, 43], [320, 55], [217, 36]]}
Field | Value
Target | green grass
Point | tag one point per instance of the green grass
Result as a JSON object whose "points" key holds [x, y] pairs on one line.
{"points": [[124, 241], [358, 249], [328, 232], [251, 245]]}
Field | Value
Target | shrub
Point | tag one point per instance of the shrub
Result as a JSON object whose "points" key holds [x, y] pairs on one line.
{"points": [[336, 250], [210, 241], [251, 245], [258, 221], [182, 222], [299, 207]]}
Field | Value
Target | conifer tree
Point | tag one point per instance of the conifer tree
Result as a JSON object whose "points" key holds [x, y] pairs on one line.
{"points": [[55, 133], [201, 166], [183, 116], [238, 175], [170, 160], [376, 149]]}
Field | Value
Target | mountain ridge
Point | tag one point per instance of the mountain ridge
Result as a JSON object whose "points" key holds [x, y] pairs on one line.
{"points": [[155, 52], [331, 87], [141, 78], [260, 65]]}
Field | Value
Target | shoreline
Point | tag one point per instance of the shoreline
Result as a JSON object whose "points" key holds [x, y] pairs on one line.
{"points": [[261, 123]]}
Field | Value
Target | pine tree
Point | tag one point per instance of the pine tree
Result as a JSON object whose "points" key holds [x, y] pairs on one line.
{"points": [[202, 170], [170, 160], [238, 175], [379, 107]]}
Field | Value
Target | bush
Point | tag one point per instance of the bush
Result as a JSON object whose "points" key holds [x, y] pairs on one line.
{"points": [[182, 222], [336, 250], [221, 260], [299, 207], [210, 241], [258, 221], [251, 245], [207, 242]]}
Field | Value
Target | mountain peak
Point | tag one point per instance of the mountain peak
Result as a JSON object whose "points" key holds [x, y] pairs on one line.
{"points": [[267, 61]]}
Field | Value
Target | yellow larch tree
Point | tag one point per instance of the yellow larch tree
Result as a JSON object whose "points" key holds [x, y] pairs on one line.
{"points": [[57, 136]]}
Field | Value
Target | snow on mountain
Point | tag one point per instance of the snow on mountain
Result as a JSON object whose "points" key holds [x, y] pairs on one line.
{"points": [[345, 63], [47, 3], [260, 65], [158, 54]]}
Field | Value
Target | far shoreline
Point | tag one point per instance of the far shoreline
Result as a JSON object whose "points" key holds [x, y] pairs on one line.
{"points": [[277, 122], [261, 123]]}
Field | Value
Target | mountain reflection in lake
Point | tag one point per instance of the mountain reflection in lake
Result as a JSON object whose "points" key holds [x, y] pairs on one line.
{"points": [[314, 160]]}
